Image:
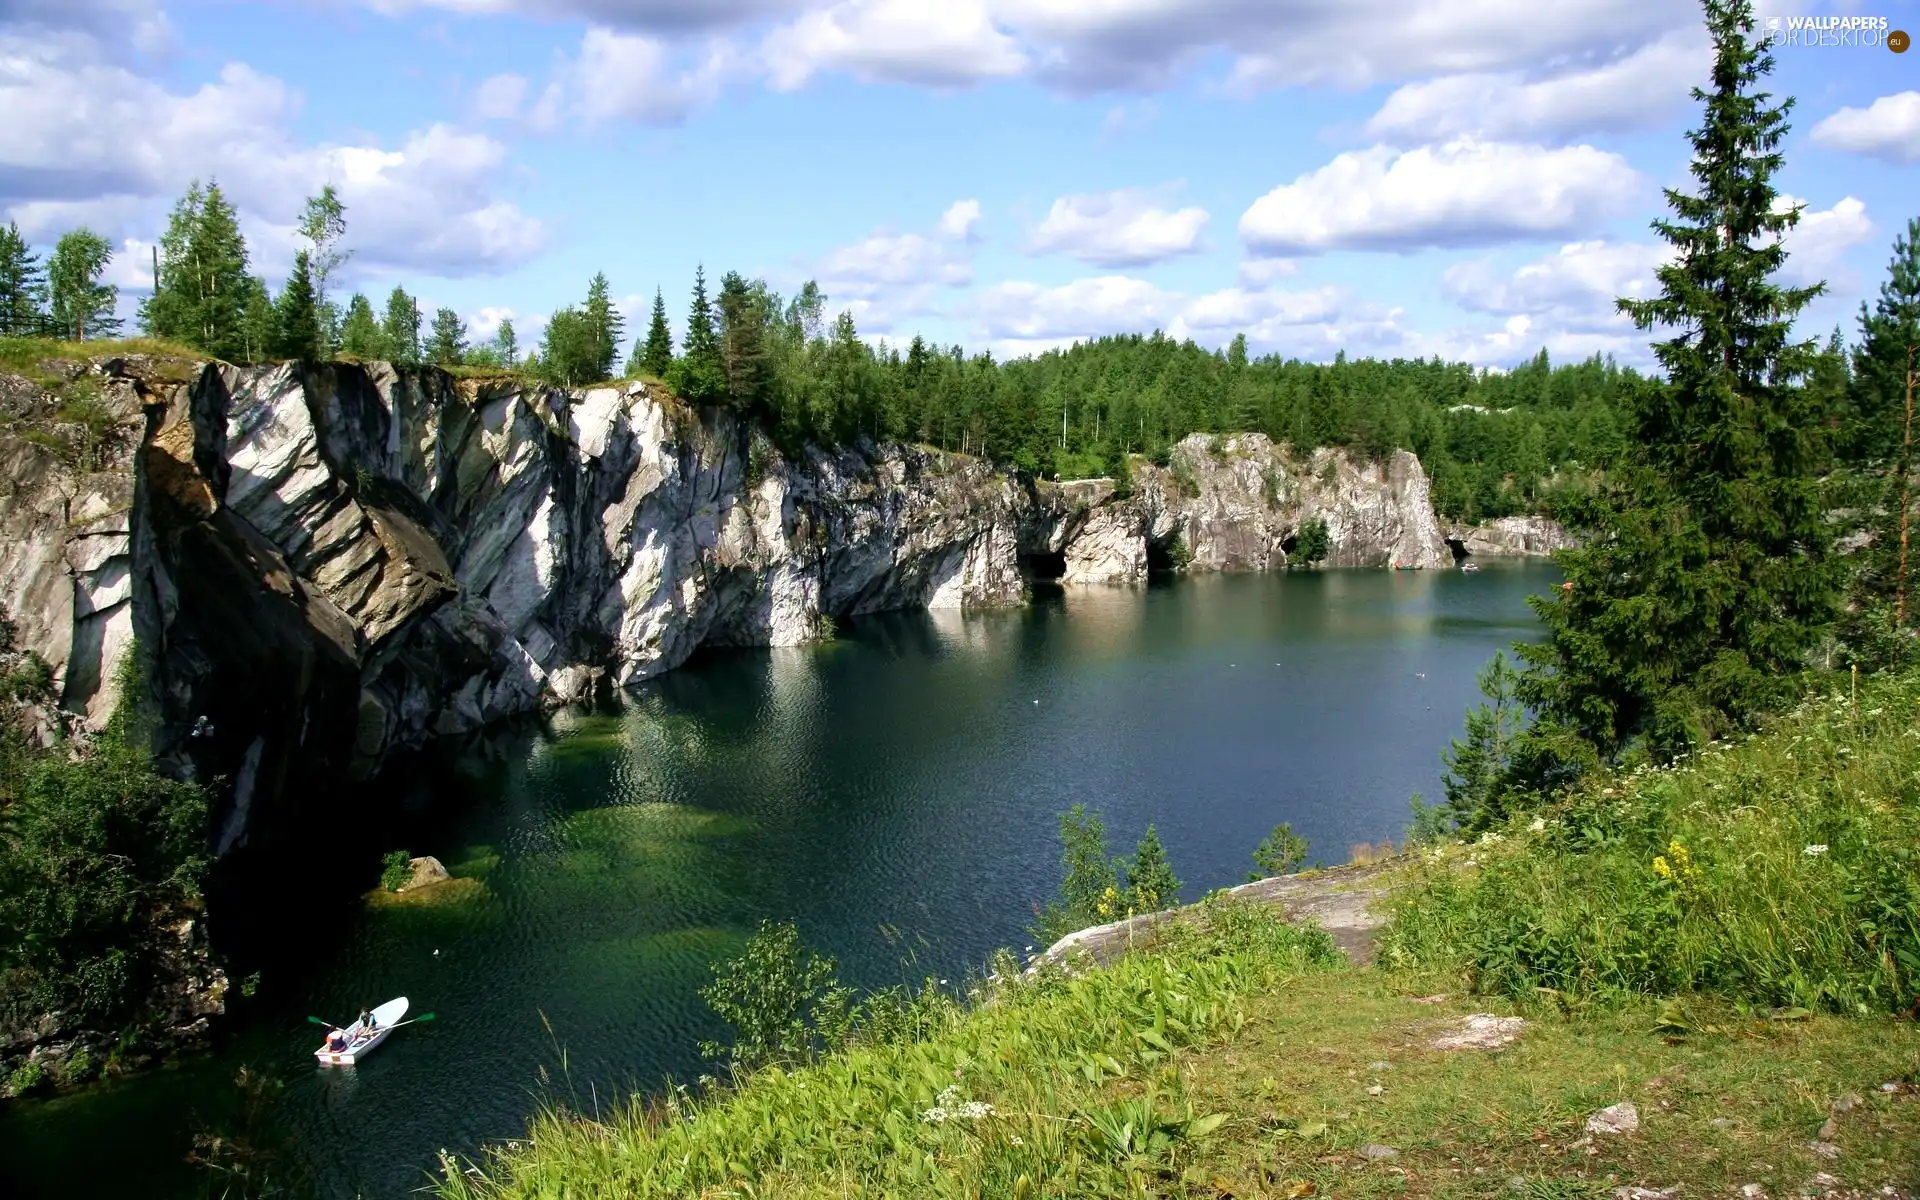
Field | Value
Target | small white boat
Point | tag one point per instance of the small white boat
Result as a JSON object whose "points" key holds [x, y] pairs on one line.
{"points": [[361, 1041], [1469, 566]]}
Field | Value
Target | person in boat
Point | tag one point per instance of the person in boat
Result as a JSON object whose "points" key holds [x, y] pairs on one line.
{"points": [[367, 1021], [337, 1041]]}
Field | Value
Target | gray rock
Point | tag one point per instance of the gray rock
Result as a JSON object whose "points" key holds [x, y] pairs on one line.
{"points": [[1615, 1118], [1481, 1031], [426, 870], [1376, 1151]]}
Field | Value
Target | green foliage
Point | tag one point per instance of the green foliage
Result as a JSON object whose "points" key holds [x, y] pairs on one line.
{"points": [[1704, 576], [447, 346], [1779, 870], [297, 314], [1312, 543], [395, 869], [699, 375], [323, 224], [1185, 480], [1150, 884], [26, 1077], [1018, 1086], [1090, 879], [98, 853], [605, 327], [361, 336], [80, 304], [1481, 789], [774, 995], [400, 329], [655, 355], [23, 287], [743, 343], [200, 297], [1281, 852]]}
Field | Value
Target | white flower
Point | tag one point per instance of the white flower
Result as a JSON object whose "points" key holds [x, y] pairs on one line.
{"points": [[973, 1110], [1816, 849], [934, 1116], [1015, 1139], [1539, 823]]}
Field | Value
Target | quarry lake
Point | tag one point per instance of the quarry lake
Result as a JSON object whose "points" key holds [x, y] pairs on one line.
{"points": [[895, 792]]}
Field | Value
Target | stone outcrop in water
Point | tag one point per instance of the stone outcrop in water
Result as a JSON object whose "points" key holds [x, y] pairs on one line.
{"points": [[329, 563]]}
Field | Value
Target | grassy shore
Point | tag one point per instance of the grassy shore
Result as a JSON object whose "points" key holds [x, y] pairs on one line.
{"points": [[1668, 936]]}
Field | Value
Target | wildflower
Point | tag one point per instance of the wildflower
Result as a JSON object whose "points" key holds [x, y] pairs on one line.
{"points": [[1539, 823], [1815, 850], [1015, 1139], [1661, 868], [973, 1110]]}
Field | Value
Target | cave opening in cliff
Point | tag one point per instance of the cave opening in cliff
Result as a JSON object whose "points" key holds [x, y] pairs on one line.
{"points": [[1459, 548], [1289, 544], [1045, 567], [1159, 558]]}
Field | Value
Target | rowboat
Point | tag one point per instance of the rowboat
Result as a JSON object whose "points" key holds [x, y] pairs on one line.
{"points": [[362, 1041], [1469, 566]]}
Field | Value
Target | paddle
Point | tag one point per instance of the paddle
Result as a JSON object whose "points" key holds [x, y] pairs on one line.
{"points": [[414, 1021], [327, 1024]]}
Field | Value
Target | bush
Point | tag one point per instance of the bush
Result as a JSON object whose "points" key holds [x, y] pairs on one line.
{"points": [[1096, 888], [395, 869], [1782, 871], [1311, 543]]}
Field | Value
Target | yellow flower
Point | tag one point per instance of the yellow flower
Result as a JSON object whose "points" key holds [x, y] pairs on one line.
{"points": [[1661, 868]]}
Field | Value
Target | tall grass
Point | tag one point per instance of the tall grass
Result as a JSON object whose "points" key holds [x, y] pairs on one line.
{"points": [[1014, 1097], [1783, 870]]}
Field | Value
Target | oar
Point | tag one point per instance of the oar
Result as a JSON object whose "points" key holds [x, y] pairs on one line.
{"points": [[328, 1024], [414, 1021]]}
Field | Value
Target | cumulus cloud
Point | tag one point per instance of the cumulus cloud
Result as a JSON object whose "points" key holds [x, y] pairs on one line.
{"points": [[90, 140], [1630, 92], [1123, 228], [1464, 193], [1818, 243], [1573, 288], [653, 16], [1888, 128], [112, 26], [960, 220], [1260, 272], [950, 44], [623, 75]]}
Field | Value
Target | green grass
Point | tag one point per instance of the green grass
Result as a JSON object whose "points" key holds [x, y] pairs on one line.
{"points": [[1782, 871], [23, 356]]}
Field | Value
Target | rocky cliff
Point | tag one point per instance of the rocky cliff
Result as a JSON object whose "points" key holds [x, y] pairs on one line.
{"points": [[325, 564], [1509, 537]]}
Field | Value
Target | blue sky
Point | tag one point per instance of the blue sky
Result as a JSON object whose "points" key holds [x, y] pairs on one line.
{"points": [[1469, 178]]}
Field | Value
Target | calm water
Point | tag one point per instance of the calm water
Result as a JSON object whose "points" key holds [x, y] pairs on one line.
{"points": [[896, 793]]}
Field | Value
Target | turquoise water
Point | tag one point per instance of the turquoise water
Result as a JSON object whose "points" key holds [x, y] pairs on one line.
{"points": [[895, 793]]}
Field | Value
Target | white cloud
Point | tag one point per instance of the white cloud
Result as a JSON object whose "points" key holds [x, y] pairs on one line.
{"points": [[1118, 229], [1080, 309], [498, 98], [960, 220], [87, 140], [1464, 193], [655, 16], [1817, 245], [949, 44], [1630, 92], [1101, 44], [113, 26], [1260, 272], [633, 76], [1574, 288], [1888, 128]]}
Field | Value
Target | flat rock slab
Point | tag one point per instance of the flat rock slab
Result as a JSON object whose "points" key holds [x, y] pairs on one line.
{"points": [[1339, 900], [1481, 1031], [1615, 1118]]}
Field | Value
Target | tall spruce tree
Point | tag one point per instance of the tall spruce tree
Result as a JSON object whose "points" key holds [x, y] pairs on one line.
{"points": [[447, 345], [400, 328], [699, 376], [297, 313], [23, 287], [743, 342], [259, 322], [1886, 377], [80, 305], [607, 327], [1705, 571], [360, 334], [655, 355], [201, 295]]}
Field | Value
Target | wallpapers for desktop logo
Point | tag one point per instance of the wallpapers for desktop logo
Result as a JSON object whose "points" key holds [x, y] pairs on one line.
{"points": [[1851, 32]]}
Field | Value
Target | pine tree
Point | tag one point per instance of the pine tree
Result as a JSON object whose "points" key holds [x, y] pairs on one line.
{"points": [[1877, 629], [743, 343], [360, 334], [80, 303], [656, 354], [699, 375], [259, 322], [200, 297], [1705, 570], [506, 343], [1150, 882], [23, 288], [607, 327], [447, 346], [400, 328], [297, 314]]}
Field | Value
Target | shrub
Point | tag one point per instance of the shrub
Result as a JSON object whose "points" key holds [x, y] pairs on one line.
{"points": [[1185, 480], [1311, 543], [777, 995], [395, 869]]}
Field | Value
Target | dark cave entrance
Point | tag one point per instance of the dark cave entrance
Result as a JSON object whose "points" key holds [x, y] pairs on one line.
{"points": [[1045, 568], [1459, 548]]}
